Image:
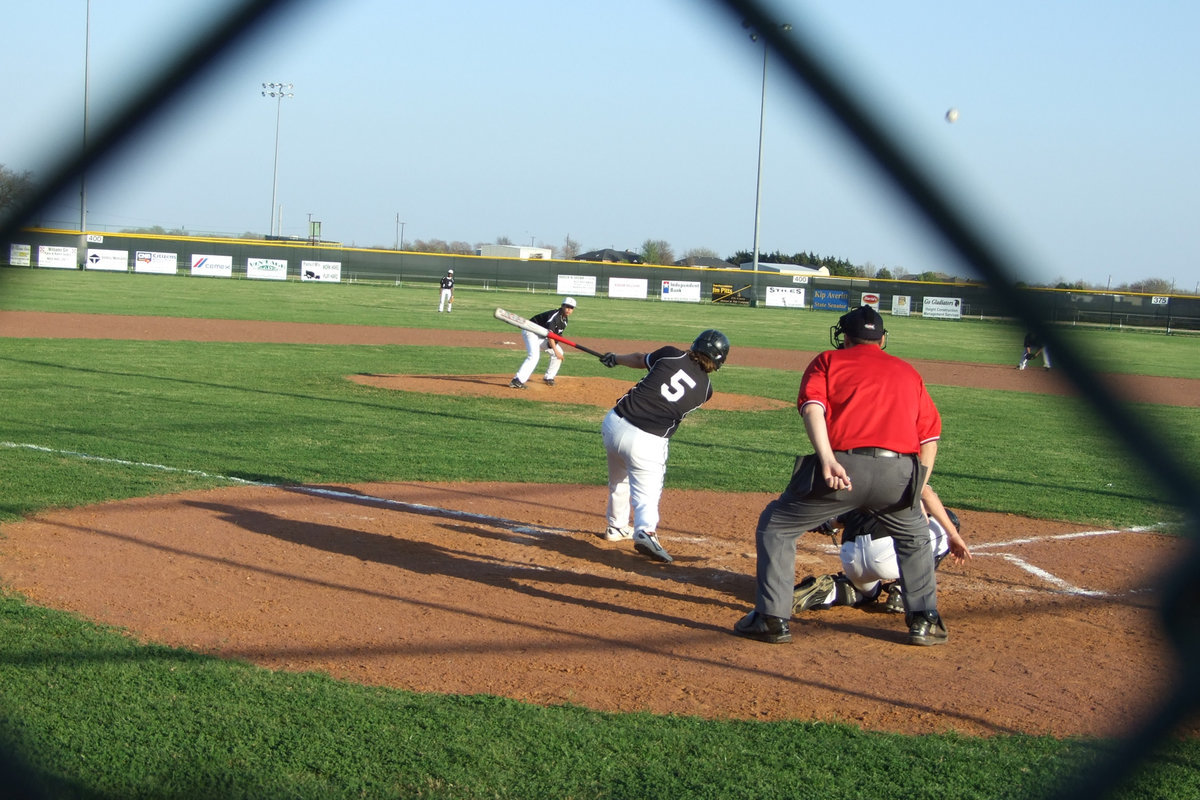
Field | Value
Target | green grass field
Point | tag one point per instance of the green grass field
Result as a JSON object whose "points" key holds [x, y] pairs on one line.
{"points": [[94, 714]]}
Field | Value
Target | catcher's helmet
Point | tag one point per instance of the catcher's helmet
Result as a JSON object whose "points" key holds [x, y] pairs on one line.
{"points": [[713, 344], [860, 322], [954, 518]]}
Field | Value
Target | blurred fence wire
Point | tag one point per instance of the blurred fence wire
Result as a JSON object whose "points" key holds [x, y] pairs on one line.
{"points": [[969, 238]]}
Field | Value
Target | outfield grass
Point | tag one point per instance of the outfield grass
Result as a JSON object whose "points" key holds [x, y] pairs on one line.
{"points": [[98, 715]]}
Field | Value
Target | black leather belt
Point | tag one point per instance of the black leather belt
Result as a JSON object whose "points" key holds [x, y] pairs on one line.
{"points": [[878, 452]]}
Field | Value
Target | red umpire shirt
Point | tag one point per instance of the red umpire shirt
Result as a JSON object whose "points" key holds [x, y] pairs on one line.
{"points": [[871, 399]]}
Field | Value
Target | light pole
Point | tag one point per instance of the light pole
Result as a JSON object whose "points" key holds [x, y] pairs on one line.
{"points": [[87, 46], [278, 91], [762, 117]]}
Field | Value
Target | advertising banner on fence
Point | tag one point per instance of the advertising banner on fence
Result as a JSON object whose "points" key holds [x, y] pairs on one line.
{"points": [[110, 260], [870, 299], [681, 291], [56, 257], [901, 305], [324, 271], [18, 254], [577, 284], [785, 297], [831, 300], [634, 288], [941, 308], [270, 269], [212, 266], [158, 263], [730, 296]]}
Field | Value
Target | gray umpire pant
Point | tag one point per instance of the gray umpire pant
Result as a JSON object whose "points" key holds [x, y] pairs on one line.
{"points": [[885, 485]]}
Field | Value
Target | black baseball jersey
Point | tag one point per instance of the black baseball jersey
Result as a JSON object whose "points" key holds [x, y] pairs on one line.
{"points": [[448, 282], [553, 320], [674, 387]]}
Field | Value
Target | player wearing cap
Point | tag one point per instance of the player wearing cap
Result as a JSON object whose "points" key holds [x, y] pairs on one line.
{"points": [[555, 321], [874, 431], [447, 298]]}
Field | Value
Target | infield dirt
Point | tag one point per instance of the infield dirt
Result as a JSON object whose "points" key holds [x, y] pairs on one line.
{"points": [[505, 589]]}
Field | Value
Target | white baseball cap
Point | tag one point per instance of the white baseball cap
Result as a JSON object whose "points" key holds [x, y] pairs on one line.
{"points": [[570, 301], [449, 272]]}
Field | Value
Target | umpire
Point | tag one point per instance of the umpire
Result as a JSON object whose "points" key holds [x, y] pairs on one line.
{"points": [[874, 430]]}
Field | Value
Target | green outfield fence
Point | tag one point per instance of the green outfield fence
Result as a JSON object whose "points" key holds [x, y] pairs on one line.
{"points": [[1169, 313], [997, 294]]}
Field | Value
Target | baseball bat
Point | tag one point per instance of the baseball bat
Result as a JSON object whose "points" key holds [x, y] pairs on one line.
{"points": [[534, 328]]}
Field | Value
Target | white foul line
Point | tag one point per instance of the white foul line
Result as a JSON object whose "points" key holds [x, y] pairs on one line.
{"points": [[520, 527], [513, 525]]}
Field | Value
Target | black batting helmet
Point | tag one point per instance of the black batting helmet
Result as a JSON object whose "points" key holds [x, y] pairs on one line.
{"points": [[713, 344], [860, 322]]}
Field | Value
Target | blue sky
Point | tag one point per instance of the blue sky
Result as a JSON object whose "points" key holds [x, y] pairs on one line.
{"points": [[618, 121]]}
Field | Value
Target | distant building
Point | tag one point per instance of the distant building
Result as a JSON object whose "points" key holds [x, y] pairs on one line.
{"points": [[514, 251], [788, 269]]}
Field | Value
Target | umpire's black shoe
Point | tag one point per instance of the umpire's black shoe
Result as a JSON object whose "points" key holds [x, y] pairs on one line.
{"points": [[773, 630], [926, 628]]}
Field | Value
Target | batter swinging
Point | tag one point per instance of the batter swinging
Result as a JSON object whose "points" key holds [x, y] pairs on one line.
{"points": [[638, 429]]}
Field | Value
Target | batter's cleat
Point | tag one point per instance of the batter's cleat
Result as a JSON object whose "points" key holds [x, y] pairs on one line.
{"points": [[814, 593], [612, 534], [516, 384], [647, 544], [548, 381], [764, 628], [926, 628], [895, 598]]}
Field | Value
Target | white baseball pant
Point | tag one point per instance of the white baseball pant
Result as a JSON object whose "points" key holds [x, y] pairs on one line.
{"points": [[534, 345], [637, 463]]}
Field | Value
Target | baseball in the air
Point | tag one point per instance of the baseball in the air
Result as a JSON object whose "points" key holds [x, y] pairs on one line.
{"points": [[952, 115]]}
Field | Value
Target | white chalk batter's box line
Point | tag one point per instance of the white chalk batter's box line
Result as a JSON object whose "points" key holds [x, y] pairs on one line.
{"points": [[519, 527]]}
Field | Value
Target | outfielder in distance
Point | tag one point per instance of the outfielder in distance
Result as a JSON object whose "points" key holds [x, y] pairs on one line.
{"points": [[638, 429], [555, 321], [869, 567], [446, 298]]}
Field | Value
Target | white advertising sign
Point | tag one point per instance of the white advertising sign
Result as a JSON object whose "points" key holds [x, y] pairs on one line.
{"points": [[799, 279], [56, 257], [577, 284], [158, 263], [95, 238], [18, 254], [110, 260], [324, 271], [941, 308], [901, 306], [785, 297], [628, 287], [870, 299], [681, 291], [270, 269], [212, 266], [1160, 301]]}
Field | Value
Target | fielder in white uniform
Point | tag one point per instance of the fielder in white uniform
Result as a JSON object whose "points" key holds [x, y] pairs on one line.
{"points": [[446, 299], [869, 567], [555, 321], [637, 432]]}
